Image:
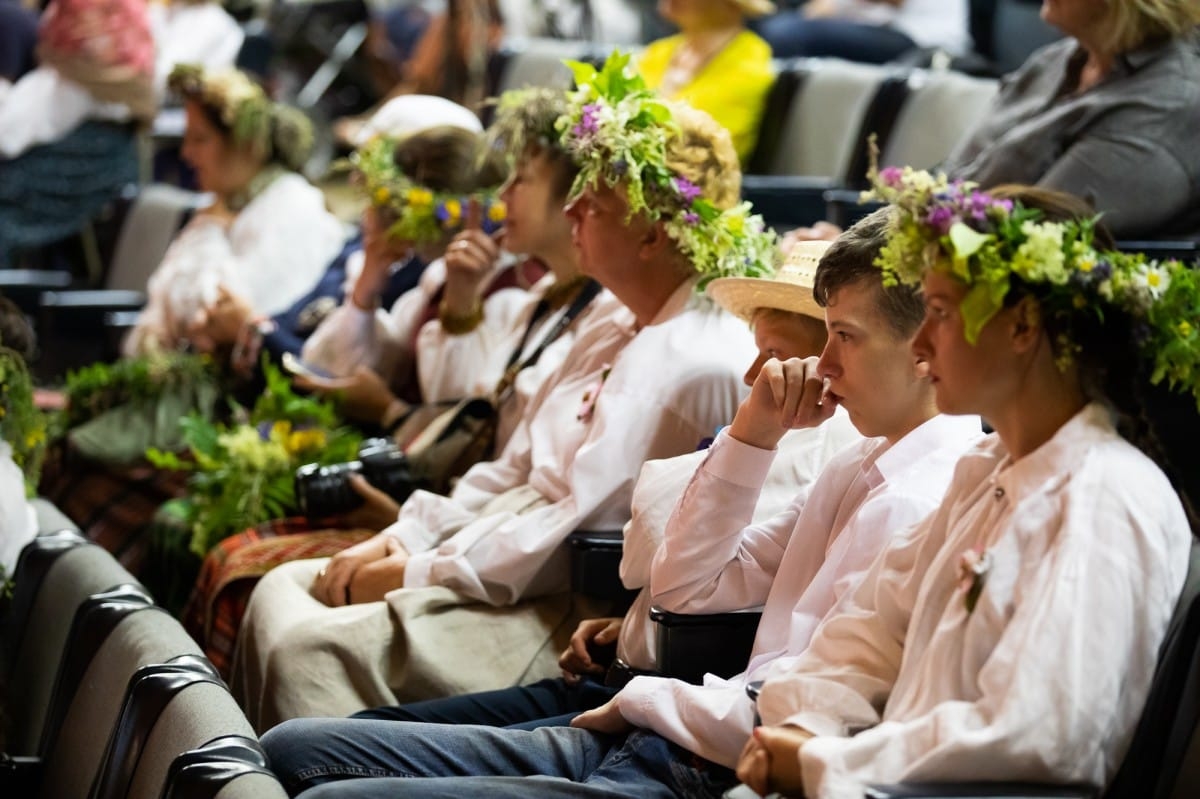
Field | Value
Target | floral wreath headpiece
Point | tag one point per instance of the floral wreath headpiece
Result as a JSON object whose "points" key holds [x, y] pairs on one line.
{"points": [[526, 118], [422, 214], [22, 425], [253, 118], [989, 242], [617, 130]]}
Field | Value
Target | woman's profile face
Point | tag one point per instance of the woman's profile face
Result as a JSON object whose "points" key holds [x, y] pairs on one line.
{"points": [[535, 222], [967, 378], [607, 242], [221, 167]]}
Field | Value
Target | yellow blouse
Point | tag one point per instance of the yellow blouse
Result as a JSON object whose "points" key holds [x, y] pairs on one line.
{"points": [[732, 87]]}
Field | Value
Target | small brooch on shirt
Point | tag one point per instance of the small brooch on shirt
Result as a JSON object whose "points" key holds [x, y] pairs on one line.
{"points": [[973, 568], [588, 407]]}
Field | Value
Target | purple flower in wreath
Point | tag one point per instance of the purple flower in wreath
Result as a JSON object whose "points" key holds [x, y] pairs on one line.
{"points": [[589, 121], [691, 217], [891, 176], [941, 218], [686, 189], [620, 167]]}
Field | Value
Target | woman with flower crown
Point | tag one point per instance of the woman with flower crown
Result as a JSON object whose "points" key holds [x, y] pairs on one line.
{"points": [[473, 585], [488, 350], [1013, 634], [265, 236]]}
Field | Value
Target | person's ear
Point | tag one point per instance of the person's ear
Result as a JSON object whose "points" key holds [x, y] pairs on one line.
{"points": [[654, 240], [1025, 329]]}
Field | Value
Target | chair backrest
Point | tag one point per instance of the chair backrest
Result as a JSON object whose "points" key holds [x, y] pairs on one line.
{"points": [[39, 635], [179, 712], [73, 760], [820, 133], [50, 519], [229, 767], [941, 107], [156, 215], [1163, 760], [539, 62]]}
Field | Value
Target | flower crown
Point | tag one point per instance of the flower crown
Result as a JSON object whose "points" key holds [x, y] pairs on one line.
{"points": [[617, 130], [252, 117], [988, 242], [22, 425], [422, 214], [526, 118]]}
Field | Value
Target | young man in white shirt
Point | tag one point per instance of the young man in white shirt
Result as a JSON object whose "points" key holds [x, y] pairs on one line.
{"points": [[711, 560]]}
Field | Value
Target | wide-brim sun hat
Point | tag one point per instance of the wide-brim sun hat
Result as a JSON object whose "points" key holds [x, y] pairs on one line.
{"points": [[755, 8], [410, 113], [790, 289]]}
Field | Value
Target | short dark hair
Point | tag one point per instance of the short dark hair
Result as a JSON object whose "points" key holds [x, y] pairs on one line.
{"points": [[851, 261]]}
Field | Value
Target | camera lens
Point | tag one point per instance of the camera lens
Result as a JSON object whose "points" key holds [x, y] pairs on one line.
{"points": [[325, 490]]}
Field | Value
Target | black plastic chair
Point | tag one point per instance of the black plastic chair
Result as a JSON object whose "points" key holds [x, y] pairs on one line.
{"points": [[688, 645]]}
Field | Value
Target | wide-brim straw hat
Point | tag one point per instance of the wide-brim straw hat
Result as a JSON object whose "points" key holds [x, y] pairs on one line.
{"points": [[410, 113], [755, 8], [790, 289]]}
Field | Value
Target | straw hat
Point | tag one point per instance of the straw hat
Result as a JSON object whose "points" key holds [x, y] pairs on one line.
{"points": [[791, 289], [410, 113], [755, 8]]}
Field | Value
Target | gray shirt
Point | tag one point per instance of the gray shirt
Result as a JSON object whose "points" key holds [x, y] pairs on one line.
{"points": [[1128, 145]]}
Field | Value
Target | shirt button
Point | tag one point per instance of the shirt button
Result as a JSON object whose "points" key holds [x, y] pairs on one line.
{"points": [[998, 493]]}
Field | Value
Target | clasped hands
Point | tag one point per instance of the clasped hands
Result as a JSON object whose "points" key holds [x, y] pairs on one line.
{"points": [[365, 572]]}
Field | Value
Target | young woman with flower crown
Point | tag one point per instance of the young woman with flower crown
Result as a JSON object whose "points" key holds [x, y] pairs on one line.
{"points": [[266, 235], [483, 334], [1013, 634], [474, 583]]}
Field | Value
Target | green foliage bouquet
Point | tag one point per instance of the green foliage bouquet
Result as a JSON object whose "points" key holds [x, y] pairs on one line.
{"points": [[242, 472], [22, 425]]}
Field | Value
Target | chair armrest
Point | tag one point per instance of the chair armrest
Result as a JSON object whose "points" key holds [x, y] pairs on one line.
{"points": [[978, 790], [20, 775], [25, 286], [1182, 250], [690, 645], [844, 207], [596, 565], [787, 201]]}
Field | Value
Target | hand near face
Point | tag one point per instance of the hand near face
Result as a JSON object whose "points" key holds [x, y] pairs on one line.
{"points": [[770, 760], [786, 395], [470, 260], [576, 659], [362, 395]]}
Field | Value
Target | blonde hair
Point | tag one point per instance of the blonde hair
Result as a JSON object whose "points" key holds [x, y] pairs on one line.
{"points": [[1131, 23], [703, 153]]}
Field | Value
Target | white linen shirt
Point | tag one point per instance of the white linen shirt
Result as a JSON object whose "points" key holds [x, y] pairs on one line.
{"points": [[1045, 679], [272, 254], [818, 548], [192, 33], [799, 460], [623, 395], [450, 367], [43, 106]]}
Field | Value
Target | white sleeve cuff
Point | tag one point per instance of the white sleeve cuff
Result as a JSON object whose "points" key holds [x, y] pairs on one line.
{"points": [[738, 463]]}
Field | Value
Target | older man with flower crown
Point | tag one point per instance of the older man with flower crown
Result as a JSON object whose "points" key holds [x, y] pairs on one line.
{"points": [[653, 370]]}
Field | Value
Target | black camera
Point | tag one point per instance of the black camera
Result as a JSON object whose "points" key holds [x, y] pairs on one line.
{"points": [[326, 491]]}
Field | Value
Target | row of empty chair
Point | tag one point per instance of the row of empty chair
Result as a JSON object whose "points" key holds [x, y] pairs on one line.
{"points": [[106, 696]]}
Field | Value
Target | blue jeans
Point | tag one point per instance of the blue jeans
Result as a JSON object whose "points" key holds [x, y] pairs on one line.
{"points": [[545, 703], [369, 759], [790, 35]]}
